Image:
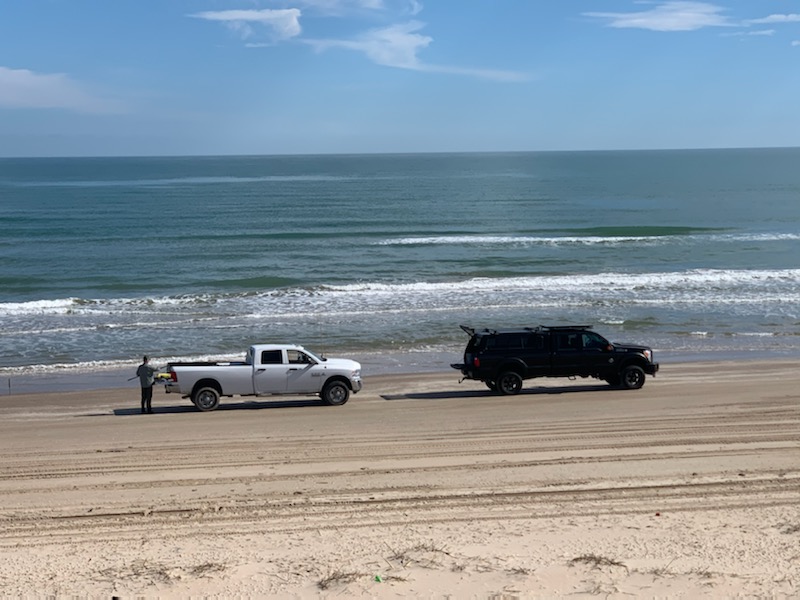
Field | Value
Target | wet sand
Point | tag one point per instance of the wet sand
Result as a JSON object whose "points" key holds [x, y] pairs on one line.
{"points": [[420, 486]]}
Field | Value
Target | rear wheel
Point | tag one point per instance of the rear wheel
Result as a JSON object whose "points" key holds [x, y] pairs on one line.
{"points": [[335, 393], [632, 377], [491, 385], [509, 383], [206, 398]]}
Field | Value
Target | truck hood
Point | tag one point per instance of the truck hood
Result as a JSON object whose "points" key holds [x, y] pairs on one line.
{"points": [[631, 349], [344, 364]]}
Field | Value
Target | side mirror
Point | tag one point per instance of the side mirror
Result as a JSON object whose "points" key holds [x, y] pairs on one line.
{"points": [[609, 348]]}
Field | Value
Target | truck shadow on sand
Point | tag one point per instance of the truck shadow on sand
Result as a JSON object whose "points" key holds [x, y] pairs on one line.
{"points": [[535, 391], [252, 405]]}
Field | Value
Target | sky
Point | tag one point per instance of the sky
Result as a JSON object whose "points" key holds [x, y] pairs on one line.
{"points": [[255, 77]]}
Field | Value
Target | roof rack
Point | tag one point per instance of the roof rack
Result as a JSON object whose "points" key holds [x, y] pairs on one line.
{"points": [[487, 331]]}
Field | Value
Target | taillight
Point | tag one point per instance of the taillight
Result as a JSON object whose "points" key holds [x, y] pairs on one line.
{"points": [[476, 362], [173, 375]]}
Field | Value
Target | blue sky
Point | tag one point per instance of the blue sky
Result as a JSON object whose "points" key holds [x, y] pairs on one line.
{"points": [[185, 77]]}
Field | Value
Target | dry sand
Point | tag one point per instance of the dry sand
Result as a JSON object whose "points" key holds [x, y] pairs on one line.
{"points": [[420, 486]]}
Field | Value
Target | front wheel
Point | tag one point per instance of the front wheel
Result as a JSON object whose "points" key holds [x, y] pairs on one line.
{"points": [[335, 393], [509, 383], [632, 377], [206, 398]]}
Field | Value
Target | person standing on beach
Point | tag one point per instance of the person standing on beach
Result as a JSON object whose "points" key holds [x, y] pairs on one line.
{"points": [[146, 374]]}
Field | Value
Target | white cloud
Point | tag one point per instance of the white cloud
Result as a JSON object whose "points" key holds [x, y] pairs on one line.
{"points": [[761, 32], [339, 7], [415, 7], [283, 23], [668, 16], [796, 43], [20, 88], [791, 18], [398, 46], [493, 74], [394, 46], [341, 4]]}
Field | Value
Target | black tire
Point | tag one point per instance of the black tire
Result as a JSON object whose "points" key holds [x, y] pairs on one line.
{"points": [[492, 385], [632, 377], [206, 398], [335, 393], [509, 383]]}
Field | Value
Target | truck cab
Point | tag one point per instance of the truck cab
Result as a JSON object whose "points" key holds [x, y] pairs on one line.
{"points": [[267, 369], [286, 369], [503, 359]]}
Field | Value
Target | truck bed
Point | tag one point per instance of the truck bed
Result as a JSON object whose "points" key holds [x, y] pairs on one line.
{"points": [[201, 363]]}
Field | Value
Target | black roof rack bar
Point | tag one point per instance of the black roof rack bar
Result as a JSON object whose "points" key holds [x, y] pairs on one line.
{"points": [[488, 331]]}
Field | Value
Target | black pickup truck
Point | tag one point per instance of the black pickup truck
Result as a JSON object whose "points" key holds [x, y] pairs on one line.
{"points": [[504, 358]]}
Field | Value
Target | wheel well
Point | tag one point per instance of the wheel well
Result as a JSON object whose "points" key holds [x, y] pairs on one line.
{"points": [[212, 383], [344, 380], [634, 362], [515, 367]]}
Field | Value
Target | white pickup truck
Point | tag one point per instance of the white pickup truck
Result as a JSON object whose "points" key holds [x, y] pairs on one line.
{"points": [[268, 369]]}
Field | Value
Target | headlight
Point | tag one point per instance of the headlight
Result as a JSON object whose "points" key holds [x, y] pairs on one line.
{"points": [[648, 354]]}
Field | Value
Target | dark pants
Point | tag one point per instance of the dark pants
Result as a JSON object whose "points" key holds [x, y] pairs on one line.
{"points": [[147, 398]]}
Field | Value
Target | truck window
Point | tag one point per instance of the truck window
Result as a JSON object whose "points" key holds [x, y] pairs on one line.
{"points": [[593, 341], [568, 342], [509, 341], [534, 341], [271, 357], [298, 358]]}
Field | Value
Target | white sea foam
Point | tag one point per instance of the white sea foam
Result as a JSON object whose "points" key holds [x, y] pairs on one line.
{"points": [[698, 278], [37, 306], [506, 240], [503, 240], [700, 285], [755, 334]]}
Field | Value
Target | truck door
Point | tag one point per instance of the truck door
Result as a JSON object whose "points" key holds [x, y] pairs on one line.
{"points": [[270, 373], [305, 376], [536, 355], [567, 355], [597, 357]]}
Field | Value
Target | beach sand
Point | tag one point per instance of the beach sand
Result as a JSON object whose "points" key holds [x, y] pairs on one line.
{"points": [[420, 486]]}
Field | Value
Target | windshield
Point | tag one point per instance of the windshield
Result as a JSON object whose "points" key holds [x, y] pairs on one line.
{"points": [[317, 358]]}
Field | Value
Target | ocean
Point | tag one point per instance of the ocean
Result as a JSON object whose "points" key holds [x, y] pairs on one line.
{"points": [[382, 257]]}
